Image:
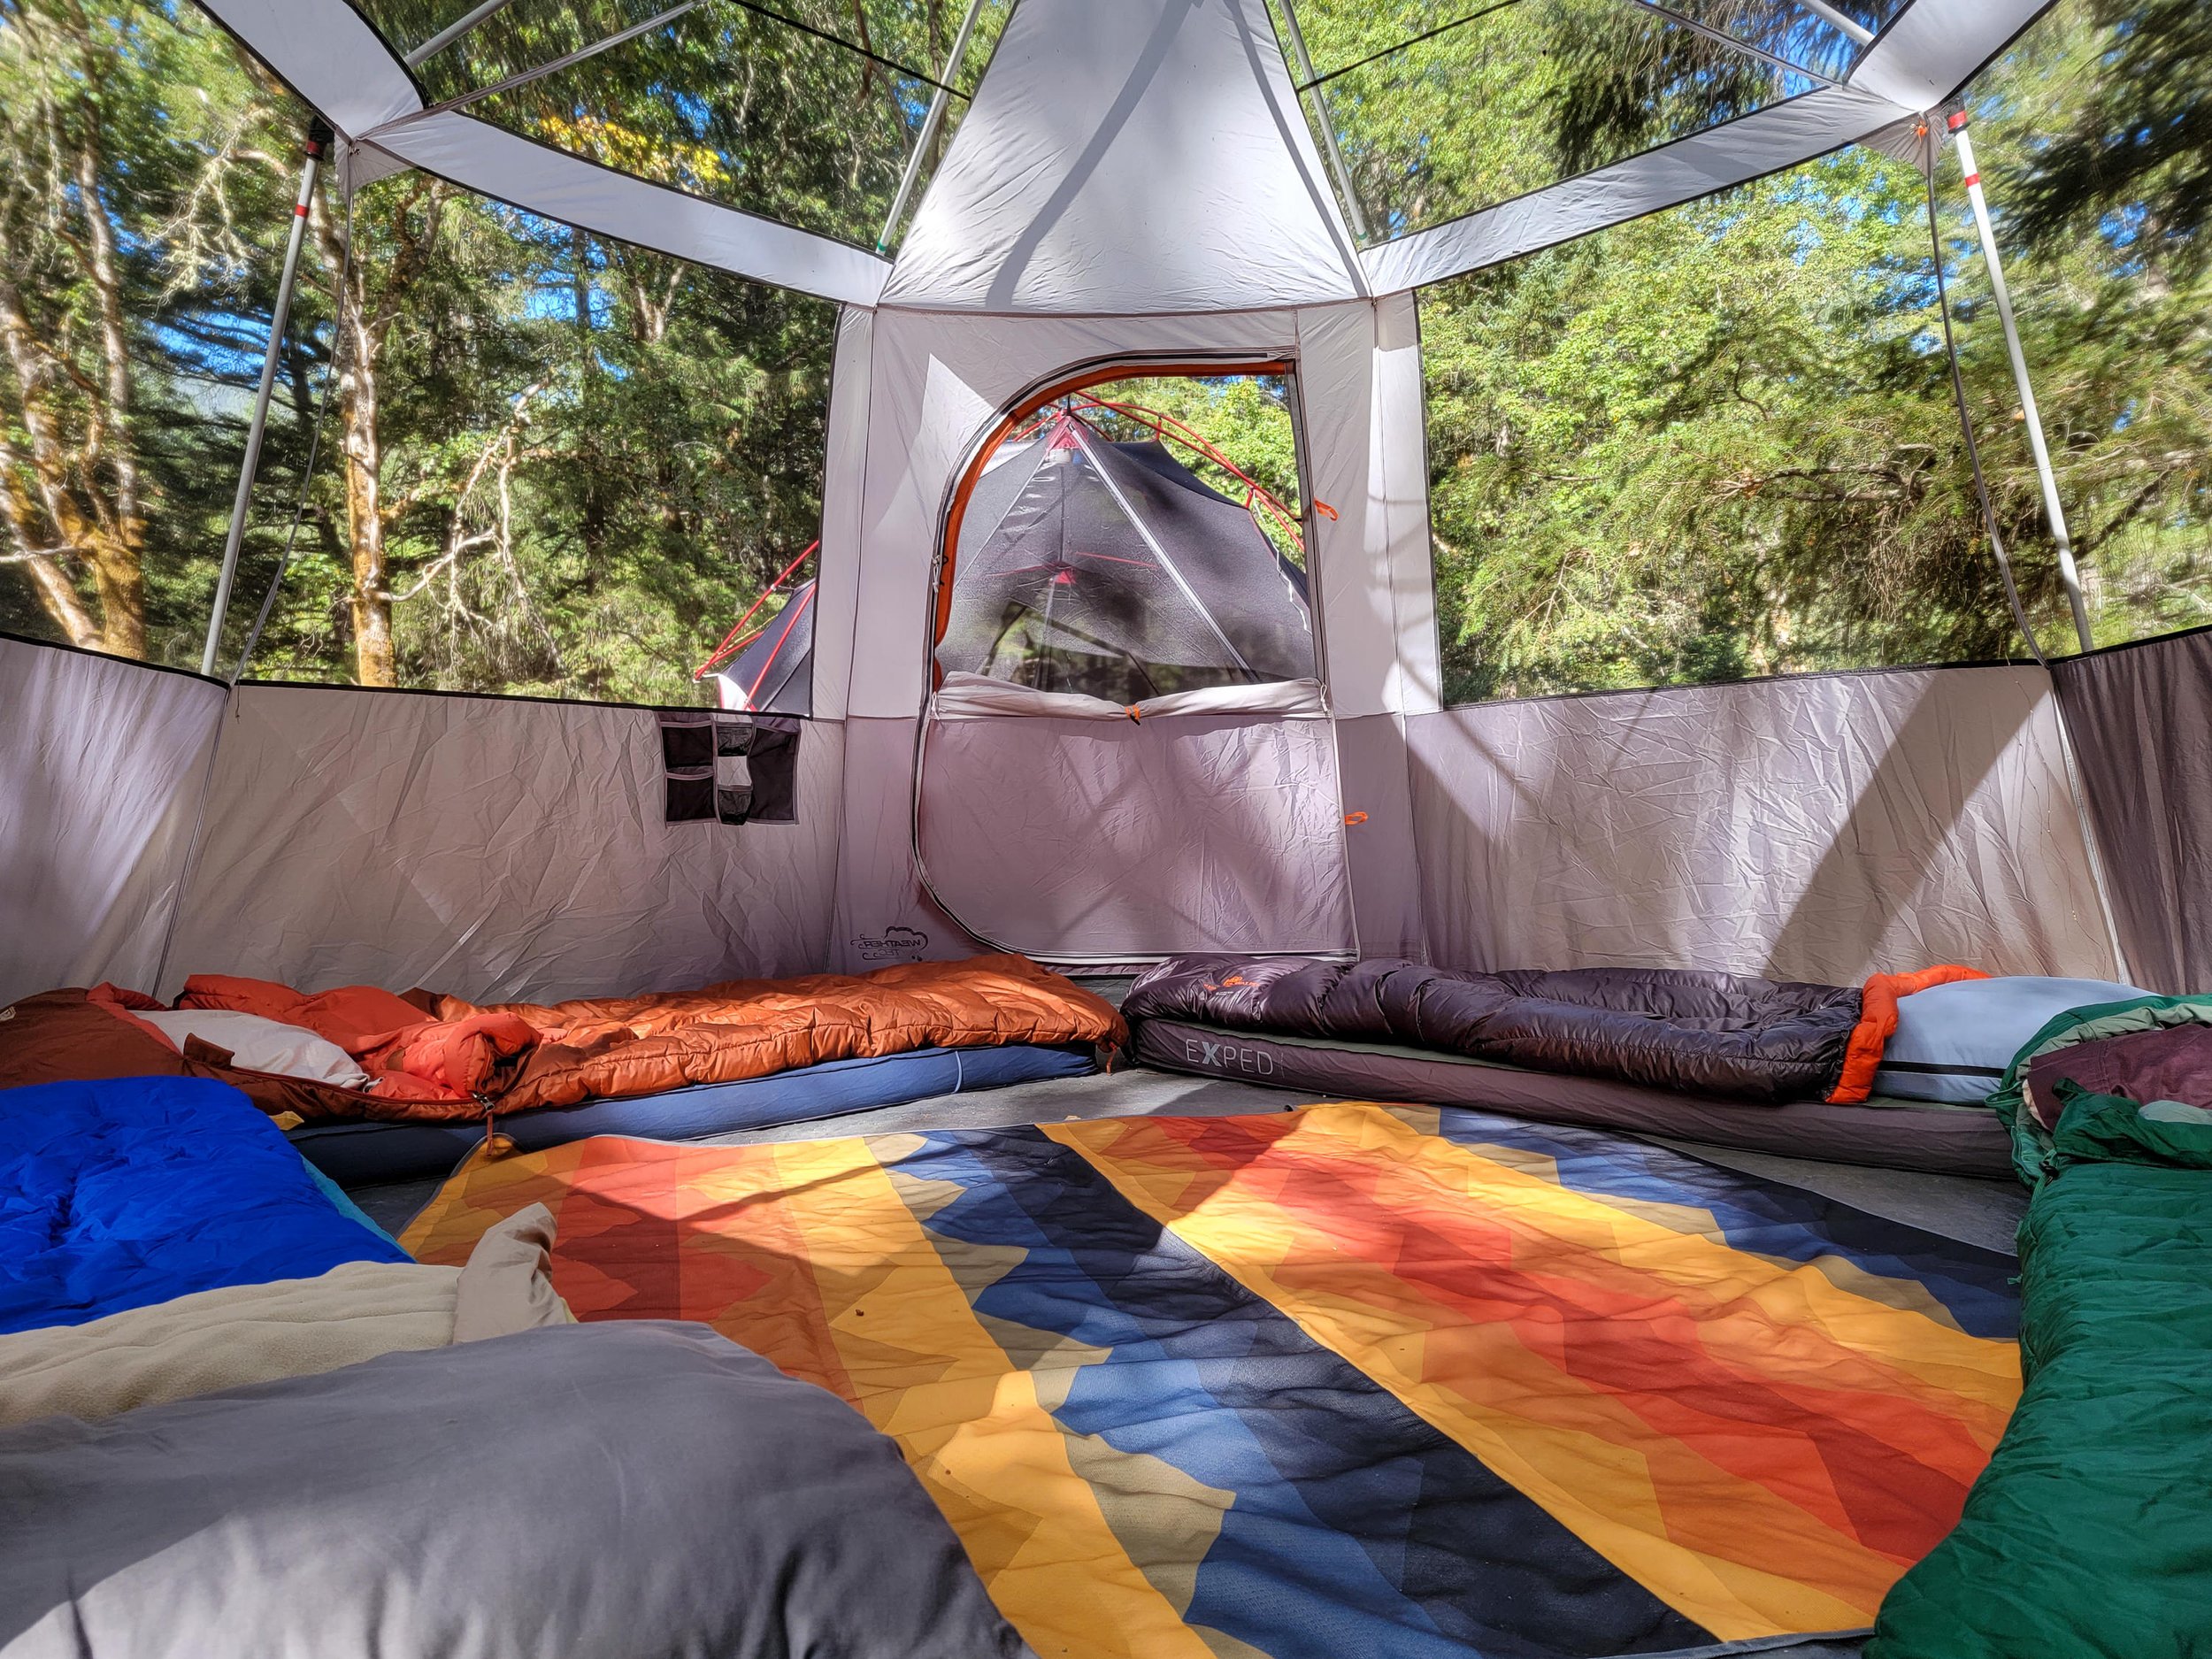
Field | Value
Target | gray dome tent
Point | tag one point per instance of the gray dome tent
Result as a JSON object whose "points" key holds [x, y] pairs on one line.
{"points": [[1108, 568]]}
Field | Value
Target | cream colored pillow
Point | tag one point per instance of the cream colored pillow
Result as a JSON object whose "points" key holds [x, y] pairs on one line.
{"points": [[259, 1044]]}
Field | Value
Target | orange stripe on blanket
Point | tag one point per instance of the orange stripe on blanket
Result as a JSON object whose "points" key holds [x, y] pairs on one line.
{"points": [[1877, 1023], [1761, 1447], [808, 1253]]}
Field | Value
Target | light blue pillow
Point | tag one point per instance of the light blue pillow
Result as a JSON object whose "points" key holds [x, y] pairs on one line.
{"points": [[1954, 1041]]}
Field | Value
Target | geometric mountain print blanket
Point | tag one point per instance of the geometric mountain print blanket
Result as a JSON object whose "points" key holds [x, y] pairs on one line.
{"points": [[1348, 1379]]}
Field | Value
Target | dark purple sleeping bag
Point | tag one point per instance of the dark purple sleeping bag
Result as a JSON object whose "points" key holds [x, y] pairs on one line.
{"points": [[1707, 1033]]}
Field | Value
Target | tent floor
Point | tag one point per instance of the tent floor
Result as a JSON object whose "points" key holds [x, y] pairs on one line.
{"points": [[1981, 1212]]}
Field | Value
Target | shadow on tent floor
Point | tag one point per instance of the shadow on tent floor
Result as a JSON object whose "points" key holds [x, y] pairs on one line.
{"points": [[1973, 1212]]}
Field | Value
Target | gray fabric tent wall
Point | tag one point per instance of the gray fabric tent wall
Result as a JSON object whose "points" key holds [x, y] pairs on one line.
{"points": [[1114, 840], [493, 847], [501, 849], [101, 762], [1818, 828], [2141, 718]]}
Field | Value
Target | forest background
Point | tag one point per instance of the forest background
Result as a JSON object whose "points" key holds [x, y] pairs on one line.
{"points": [[1716, 442]]}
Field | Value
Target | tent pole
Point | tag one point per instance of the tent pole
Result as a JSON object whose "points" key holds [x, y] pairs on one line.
{"points": [[1308, 81], [453, 32], [1851, 26], [2068, 573], [930, 124], [1159, 552], [318, 140]]}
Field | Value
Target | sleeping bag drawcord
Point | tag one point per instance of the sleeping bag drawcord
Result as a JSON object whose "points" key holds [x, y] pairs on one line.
{"points": [[495, 1144]]}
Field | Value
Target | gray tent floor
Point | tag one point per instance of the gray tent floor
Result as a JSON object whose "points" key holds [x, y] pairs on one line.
{"points": [[1973, 1212]]}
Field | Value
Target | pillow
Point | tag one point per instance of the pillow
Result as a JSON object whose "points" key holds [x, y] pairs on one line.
{"points": [[2168, 1062], [262, 1045], [1954, 1041]]}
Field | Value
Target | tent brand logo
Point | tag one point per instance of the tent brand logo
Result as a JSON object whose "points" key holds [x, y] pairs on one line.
{"points": [[1228, 1057], [892, 941]]}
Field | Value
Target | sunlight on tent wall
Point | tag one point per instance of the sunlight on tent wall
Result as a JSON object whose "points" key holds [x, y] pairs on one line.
{"points": [[552, 464]]}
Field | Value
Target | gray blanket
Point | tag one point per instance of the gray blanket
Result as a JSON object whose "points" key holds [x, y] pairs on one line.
{"points": [[624, 1490]]}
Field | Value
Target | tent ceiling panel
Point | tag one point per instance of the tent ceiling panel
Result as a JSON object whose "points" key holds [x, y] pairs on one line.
{"points": [[626, 177], [807, 119], [609, 204], [329, 55], [514, 36], [1935, 47], [1144, 157], [1794, 131]]}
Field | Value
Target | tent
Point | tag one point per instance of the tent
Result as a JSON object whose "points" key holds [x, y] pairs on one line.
{"points": [[772, 669], [1108, 568], [1145, 188], [1248, 1374]]}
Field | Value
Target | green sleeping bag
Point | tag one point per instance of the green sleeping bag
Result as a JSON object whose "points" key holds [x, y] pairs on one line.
{"points": [[2090, 1534]]}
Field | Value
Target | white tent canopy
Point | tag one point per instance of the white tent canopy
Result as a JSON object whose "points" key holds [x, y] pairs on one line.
{"points": [[1136, 185], [1144, 157]]}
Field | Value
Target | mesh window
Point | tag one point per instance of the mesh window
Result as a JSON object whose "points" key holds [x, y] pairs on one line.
{"points": [[1439, 110], [1093, 557]]}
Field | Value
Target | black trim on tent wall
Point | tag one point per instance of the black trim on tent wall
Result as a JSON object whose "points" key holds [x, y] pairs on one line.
{"points": [[374, 691], [85, 650]]}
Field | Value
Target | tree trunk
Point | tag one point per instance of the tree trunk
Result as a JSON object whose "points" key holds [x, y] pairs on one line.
{"points": [[375, 662], [118, 543], [73, 533], [357, 340], [56, 591]]}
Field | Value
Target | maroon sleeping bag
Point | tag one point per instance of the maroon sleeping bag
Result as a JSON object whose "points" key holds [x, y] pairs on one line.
{"points": [[1708, 1033]]}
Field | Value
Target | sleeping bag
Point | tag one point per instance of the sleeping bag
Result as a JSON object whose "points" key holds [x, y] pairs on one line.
{"points": [[2090, 1534], [1709, 1033], [130, 1190]]}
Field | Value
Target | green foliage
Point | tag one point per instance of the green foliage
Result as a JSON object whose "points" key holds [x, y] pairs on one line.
{"points": [[1723, 441], [588, 459]]}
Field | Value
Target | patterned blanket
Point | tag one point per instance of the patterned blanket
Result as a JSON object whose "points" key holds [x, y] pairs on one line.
{"points": [[1349, 1379]]}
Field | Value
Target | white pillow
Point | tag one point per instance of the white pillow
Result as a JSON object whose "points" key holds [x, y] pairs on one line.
{"points": [[262, 1045]]}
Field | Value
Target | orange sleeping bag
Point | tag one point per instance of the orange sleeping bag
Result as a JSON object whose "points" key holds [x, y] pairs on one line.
{"points": [[411, 1053], [439, 1057], [610, 1047]]}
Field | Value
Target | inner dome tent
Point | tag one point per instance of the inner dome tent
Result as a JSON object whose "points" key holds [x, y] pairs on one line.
{"points": [[1136, 189]]}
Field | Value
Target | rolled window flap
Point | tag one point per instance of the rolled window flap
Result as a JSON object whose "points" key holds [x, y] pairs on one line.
{"points": [[965, 696]]}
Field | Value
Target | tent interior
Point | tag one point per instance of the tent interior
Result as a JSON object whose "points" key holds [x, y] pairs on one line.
{"points": [[1398, 813]]}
